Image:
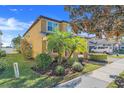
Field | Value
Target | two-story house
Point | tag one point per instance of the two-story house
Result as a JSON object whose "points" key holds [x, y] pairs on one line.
{"points": [[36, 34]]}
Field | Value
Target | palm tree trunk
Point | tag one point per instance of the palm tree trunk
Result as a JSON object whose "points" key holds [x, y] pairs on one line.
{"points": [[70, 54], [85, 57]]}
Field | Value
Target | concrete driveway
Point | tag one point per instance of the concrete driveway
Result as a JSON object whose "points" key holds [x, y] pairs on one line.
{"points": [[99, 78]]}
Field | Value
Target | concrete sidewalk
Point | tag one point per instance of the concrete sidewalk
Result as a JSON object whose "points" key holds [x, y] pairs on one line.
{"points": [[99, 78]]}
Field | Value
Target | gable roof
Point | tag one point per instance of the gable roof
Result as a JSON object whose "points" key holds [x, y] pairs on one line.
{"points": [[44, 18], [101, 41]]}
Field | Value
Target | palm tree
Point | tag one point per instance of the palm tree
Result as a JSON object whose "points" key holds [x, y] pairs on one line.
{"points": [[66, 42]]}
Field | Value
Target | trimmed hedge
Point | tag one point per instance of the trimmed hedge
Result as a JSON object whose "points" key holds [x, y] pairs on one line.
{"points": [[99, 57], [2, 53], [121, 51]]}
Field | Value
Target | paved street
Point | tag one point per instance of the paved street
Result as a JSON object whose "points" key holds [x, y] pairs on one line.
{"points": [[9, 50], [99, 78]]}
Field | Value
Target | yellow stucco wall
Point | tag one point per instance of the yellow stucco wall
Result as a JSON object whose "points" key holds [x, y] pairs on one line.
{"points": [[35, 38], [63, 26]]}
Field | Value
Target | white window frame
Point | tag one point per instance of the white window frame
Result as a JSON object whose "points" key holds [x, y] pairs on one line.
{"points": [[68, 27], [52, 22]]}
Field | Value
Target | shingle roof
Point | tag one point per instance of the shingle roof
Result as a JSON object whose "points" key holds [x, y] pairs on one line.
{"points": [[44, 18], [101, 41]]}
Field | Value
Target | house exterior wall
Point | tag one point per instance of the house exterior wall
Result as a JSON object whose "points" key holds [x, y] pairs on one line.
{"points": [[35, 38], [63, 26]]}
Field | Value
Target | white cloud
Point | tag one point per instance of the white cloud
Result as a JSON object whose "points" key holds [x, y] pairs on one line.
{"points": [[19, 10], [11, 27], [13, 10], [13, 24]]}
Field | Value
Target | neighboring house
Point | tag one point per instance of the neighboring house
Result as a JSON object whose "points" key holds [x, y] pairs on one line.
{"points": [[9, 50], [122, 43], [101, 45], [36, 34]]}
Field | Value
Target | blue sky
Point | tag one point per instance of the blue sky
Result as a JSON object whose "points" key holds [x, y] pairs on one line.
{"points": [[16, 20]]}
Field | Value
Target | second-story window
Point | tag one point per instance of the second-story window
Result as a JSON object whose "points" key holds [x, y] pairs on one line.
{"points": [[52, 26], [49, 26], [69, 28]]}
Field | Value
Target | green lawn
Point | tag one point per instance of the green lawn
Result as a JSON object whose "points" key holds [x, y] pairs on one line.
{"points": [[28, 78], [112, 84], [115, 56]]}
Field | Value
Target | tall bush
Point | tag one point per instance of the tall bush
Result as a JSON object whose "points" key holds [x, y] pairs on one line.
{"points": [[43, 61], [26, 49], [16, 43]]}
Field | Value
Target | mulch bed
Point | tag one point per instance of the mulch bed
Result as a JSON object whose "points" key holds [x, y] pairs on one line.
{"points": [[51, 70]]}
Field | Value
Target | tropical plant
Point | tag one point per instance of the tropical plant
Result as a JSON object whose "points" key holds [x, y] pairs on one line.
{"points": [[43, 61], [64, 41], [56, 41], [76, 44], [59, 70], [26, 49], [71, 61], [77, 67], [16, 42]]}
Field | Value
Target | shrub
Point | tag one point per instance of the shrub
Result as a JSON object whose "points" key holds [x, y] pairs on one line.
{"points": [[71, 61], [2, 67], [43, 61], [26, 49], [77, 67], [59, 70], [98, 57], [2, 53], [121, 51]]}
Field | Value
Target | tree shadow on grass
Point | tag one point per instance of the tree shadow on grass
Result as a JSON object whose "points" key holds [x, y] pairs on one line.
{"points": [[11, 83], [46, 82], [29, 82], [5, 81]]}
